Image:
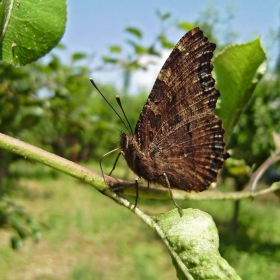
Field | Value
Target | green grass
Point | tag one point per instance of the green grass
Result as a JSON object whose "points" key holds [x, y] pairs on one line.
{"points": [[87, 236]]}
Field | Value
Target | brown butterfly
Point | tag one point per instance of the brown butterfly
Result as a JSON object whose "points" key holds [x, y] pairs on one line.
{"points": [[178, 140]]}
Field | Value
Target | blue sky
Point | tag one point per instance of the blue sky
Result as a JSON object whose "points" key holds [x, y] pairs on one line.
{"points": [[94, 25]]}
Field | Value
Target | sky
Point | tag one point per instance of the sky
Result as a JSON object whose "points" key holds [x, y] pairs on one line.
{"points": [[93, 26]]}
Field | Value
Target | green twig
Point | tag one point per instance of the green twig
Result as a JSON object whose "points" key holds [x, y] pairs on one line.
{"points": [[116, 185]]}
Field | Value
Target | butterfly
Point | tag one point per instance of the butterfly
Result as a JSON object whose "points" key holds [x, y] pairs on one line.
{"points": [[178, 139]]}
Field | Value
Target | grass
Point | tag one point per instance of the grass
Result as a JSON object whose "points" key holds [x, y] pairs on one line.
{"points": [[87, 236]]}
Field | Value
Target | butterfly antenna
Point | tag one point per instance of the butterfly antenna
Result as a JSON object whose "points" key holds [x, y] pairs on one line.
{"points": [[95, 86], [120, 104]]}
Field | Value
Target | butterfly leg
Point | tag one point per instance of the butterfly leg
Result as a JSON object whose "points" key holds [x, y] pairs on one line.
{"points": [[137, 192], [171, 195], [100, 162], [115, 163]]}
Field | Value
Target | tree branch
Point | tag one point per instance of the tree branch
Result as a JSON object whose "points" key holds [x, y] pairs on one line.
{"points": [[116, 185]]}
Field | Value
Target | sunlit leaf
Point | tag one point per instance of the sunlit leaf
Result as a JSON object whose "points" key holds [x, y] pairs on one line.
{"points": [[166, 44], [30, 29], [116, 49], [186, 26], [134, 31], [78, 56], [238, 70], [140, 49], [107, 59], [194, 238], [165, 16]]}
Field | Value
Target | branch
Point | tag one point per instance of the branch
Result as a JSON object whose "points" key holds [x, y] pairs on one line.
{"points": [[260, 171], [116, 185], [31, 152]]}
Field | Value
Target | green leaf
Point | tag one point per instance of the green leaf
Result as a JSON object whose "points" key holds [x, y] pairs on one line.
{"points": [[78, 56], [108, 59], [16, 242], [30, 115], [238, 70], [55, 63], [194, 238], [151, 50], [165, 43], [140, 49], [115, 49], [60, 46], [30, 29], [134, 31], [186, 26], [165, 16]]}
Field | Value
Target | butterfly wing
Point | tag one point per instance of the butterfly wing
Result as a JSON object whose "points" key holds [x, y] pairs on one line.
{"points": [[177, 127]]}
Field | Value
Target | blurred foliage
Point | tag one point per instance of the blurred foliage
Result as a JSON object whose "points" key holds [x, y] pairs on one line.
{"points": [[252, 138], [54, 106], [13, 216]]}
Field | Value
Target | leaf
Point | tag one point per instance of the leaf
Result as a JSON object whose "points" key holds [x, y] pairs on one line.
{"points": [[151, 50], [78, 56], [238, 70], [165, 43], [60, 46], [186, 26], [116, 49], [161, 16], [30, 115], [134, 31], [165, 16], [30, 29], [139, 49], [237, 167], [107, 59], [194, 238], [55, 63]]}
